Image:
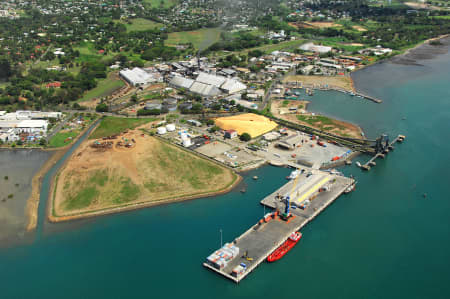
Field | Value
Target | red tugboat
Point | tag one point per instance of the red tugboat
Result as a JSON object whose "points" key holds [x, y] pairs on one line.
{"points": [[285, 247]]}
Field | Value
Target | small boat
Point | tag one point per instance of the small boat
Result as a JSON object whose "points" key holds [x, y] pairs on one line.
{"points": [[285, 247], [255, 177], [350, 188], [358, 164], [294, 174]]}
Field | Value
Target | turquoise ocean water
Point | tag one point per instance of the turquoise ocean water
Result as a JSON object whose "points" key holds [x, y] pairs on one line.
{"points": [[383, 241]]}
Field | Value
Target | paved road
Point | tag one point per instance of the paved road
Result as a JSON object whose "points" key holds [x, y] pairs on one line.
{"points": [[266, 98], [59, 126]]}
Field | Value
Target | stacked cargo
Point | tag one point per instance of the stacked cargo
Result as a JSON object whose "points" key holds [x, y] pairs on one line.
{"points": [[239, 270], [220, 258]]}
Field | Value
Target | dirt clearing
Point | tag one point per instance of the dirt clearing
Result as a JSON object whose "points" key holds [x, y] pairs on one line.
{"points": [[341, 82], [133, 169]]}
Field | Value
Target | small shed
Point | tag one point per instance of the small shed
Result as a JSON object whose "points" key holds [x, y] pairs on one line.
{"points": [[230, 134]]}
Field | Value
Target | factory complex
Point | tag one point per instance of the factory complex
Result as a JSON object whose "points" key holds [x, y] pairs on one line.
{"points": [[25, 125]]}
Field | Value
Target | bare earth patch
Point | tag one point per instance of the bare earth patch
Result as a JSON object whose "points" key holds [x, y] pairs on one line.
{"points": [[280, 109], [341, 82], [314, 24], [359, 28], [96, 180]]}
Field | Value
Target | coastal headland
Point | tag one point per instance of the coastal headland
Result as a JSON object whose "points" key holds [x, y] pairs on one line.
{"points": [[296, 112], [344, 83], [130, 171]]}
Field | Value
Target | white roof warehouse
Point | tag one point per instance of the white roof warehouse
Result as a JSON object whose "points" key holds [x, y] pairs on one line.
{"points": [[29, 126], [209, 85], [136, 76]]}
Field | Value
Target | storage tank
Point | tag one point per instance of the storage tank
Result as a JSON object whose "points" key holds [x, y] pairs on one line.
{"points": [[170, 127], [187, 142], [161, 130]]}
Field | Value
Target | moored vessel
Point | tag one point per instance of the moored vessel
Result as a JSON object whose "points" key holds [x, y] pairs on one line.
{"points": [[285, 247]]}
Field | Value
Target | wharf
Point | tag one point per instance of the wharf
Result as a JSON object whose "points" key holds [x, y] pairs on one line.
{"points": [[262, 239], [369, 97], [390, 147]]}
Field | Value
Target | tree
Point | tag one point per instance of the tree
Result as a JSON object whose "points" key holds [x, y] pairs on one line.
{"points": [[101, 108], [42, 142], [134, 98], [5, 68], [210, 122], [197, 108], [216, 107], [148, 112], [214, 129], [245, 137]]}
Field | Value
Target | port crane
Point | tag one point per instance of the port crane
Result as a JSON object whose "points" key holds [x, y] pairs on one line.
{"points": [[287, 214]]}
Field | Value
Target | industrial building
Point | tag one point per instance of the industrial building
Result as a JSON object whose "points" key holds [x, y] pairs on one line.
{"points": [[11, 129], [308, 188], [181, 82], [205, 90], [34, 124], [137, 76], [310, 47], [28, 114], [208, 85]]}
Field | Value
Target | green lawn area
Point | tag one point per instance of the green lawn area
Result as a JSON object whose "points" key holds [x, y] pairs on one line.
{"points": [[59, 139], [201, 39], [321, 121], [157, 3], [104, 88], [140, 24], [115, 125], [89, 53], [340, 43], [282, 46], [447, 17], [4, 84]]}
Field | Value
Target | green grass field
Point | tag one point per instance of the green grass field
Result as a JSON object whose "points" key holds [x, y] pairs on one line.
{"points": [[105, 87], [159, 3], [323, 122], [283, 46], [201, 39], [115, 125], [58, 140], [4, 84], [88, 53], [140, 24]]}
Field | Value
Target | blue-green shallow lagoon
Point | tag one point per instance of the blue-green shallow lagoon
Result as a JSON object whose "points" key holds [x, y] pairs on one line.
{"points": [[383, 241]]}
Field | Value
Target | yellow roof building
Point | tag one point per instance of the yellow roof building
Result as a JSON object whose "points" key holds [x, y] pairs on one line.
{"points": [[250, 123]]}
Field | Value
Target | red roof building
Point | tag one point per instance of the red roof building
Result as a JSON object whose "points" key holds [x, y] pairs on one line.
{"points": [[53, 84]]}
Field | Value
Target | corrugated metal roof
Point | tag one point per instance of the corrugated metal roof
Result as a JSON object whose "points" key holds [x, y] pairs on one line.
{"points": [[204, 89], [232, 86], [136, 76], [181, 82], [211, 79]]}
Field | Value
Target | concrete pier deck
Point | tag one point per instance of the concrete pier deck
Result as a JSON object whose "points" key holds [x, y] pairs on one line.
{"points": [[262, 239], [390, 147]]}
